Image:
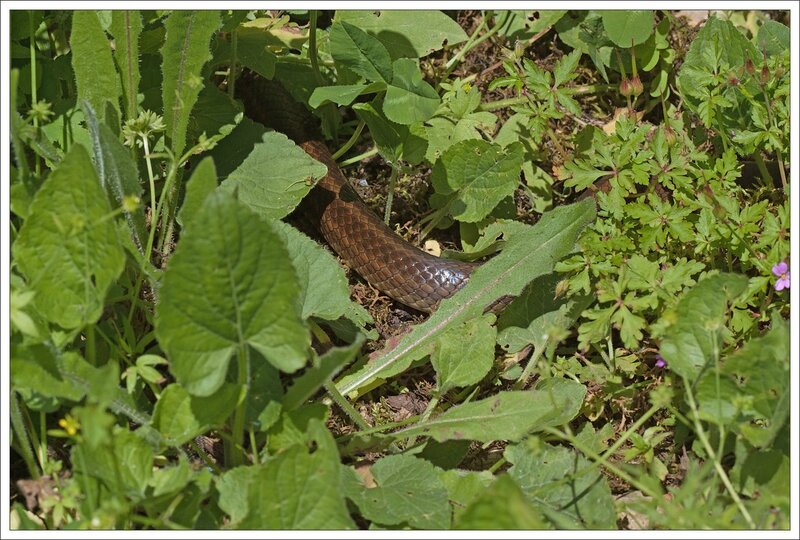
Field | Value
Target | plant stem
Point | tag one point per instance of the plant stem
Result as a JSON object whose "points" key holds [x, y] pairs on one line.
{"points": [[526, 373], [234, 455], [346, 407], [351, 141], [151, 179], [701, 434], [387, 213], [312, 47], [355, 159], [232, 69], [34, 97]]}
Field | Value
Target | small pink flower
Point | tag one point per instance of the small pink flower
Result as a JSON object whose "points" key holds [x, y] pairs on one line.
{"points": [[784, 277], [660, 362]]}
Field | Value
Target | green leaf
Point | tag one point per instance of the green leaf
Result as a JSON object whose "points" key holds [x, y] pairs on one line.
{"points": [[548, 476], [773, 38], [324, 290], [407, 490], [465, 354], [760, 372], [394, 141], [324, 369], [35, 370], [409, 99], [246, 295], [185, 52], [124, 463], [342, 94], [693, 331], [180, 417], [68, 248], [501, 506], [171, 479], [359, 52], [275, 177], [506, 274], [95, 76], [538, 318], [117, 173], [627, 28], [126, 26], [478, 175], [565, 68], [403, 32], [201, 184], [508, 416], [297, 489]]}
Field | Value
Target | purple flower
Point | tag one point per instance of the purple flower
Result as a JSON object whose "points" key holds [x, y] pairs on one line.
{"points": [[782, 271], [660, 362]]}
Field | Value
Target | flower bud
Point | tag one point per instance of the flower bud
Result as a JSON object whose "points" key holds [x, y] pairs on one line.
{"points": [[625, 88], [733, 80], [764, 74], [749, 67], [636, 85]]}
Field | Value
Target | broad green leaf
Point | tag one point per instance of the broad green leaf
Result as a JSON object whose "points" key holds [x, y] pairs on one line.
{"points": [[507, 416], [171, 479], [409, 99], [324, 369], [410, 34], [323, 285], [627, 28], [214, 117], [117, 173], [693, 332], [68, 247], [394, 141], [360, 52], [201, 184], [407, 490], [501, 506], [477, 175], [180, 417], [547, 476], [297, 489], [522, 26], [275, 176], [343, 94], [538, 318], [292, 427], [253, 50], [126, 26], [773, 37], [465, 354], [230, 285], [95, 76], [718, 42], [185, 51], [759, 372], [124, 464], [264, 395], [508, 273], [35, 372], [463, 487]]}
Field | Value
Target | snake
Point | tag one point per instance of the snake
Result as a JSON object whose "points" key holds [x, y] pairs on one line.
{"points": [[367, 245]]}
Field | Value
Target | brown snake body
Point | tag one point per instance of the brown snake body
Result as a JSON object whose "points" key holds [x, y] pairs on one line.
{"points": [[389, 263]]}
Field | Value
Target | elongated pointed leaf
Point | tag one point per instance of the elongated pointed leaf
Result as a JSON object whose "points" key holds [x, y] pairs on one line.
{"points": [[185, 51], [126, 25], [95, 76], [507, 416], [360, 52], [230, 285], [117, 172], [520, 262]]}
